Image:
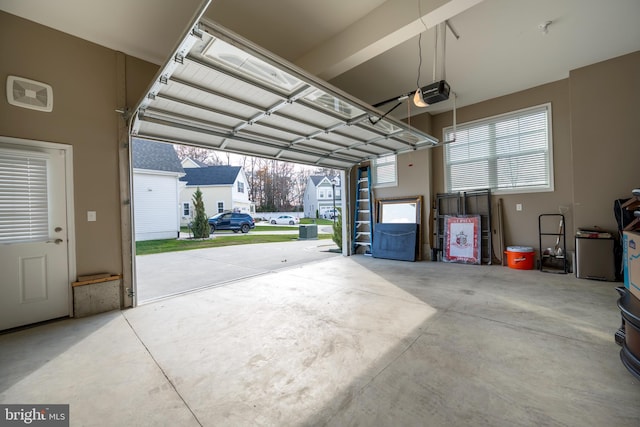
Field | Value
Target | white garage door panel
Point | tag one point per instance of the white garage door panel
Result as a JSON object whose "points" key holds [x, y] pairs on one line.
{"points": [[224, 92], [189, 108], [160, 130]]}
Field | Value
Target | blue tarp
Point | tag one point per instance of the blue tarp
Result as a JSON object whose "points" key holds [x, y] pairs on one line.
{"points": [[395, 241]]}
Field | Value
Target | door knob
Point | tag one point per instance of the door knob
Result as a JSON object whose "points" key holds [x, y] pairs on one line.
{"points": [[58, 229], [56, 241]]}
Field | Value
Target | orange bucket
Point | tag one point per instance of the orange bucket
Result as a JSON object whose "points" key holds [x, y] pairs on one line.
{"points": [[520, 257]]}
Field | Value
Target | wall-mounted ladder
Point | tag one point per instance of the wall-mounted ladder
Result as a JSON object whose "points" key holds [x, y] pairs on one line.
{"points": [[363, 215]]}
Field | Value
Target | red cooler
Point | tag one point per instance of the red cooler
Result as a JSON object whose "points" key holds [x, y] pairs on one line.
{"points": [[520, 257]]}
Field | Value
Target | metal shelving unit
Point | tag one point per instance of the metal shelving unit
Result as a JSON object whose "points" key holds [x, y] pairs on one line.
{"points": [[474, 202], [446, 204], [478, 202]]}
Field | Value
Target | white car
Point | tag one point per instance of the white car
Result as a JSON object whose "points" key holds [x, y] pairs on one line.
{"points": [[286, 220]]}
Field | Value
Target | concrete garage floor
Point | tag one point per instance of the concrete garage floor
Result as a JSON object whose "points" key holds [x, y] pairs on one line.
{"points": [[341, 342]]}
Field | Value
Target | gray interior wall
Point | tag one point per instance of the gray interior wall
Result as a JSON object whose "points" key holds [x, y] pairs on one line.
{"points": [[605, 128], [521, 227], [595, 147], [84, 80]]}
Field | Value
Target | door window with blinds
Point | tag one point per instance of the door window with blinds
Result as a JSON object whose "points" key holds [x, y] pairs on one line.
{"points": [[507, 153], [24, 207]]}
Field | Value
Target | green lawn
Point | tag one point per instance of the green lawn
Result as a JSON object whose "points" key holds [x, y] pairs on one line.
{"points": [[173, 245], [274, 227], [319, 221]]}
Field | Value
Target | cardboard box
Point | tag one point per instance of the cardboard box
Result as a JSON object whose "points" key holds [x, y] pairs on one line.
{"points": [[631, 261]]}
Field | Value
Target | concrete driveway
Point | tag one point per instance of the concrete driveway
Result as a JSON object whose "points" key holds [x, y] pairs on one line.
{"points": [[172, 273]]}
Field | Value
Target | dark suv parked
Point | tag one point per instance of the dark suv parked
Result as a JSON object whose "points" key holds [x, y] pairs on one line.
{"points": [[232, 221]]}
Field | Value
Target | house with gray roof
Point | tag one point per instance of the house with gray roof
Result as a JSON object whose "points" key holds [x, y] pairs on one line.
{"points": [[318, 197], [156, 189], [188, 162], [224, 188]]}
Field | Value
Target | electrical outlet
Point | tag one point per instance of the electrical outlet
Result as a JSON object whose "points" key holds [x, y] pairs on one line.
{"points": [[518, 207]]}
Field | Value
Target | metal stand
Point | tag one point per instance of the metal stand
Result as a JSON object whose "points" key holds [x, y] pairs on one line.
{"points": [[553, 259], [474, 202]]}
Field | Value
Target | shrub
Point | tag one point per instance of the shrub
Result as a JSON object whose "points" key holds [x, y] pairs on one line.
{"points": [[200, 225], [337, 230]]}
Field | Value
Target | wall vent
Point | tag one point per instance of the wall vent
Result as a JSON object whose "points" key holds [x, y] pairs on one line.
{"points": [[27, 93]]}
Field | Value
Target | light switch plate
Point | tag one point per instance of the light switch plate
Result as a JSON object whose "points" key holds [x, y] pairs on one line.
{"points": [[91, 215]]}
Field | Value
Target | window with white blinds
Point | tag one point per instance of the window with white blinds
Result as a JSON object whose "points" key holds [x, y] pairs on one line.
{"points": [[385, 171], [24, 210], [506, 153]]}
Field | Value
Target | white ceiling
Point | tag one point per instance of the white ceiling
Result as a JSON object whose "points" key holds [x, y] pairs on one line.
{"points": [[369, 48]]}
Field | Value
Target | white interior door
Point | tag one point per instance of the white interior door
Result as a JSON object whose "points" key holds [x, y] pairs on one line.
{"points": [[34, 256]]}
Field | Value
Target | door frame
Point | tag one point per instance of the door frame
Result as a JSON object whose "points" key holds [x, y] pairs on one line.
{"points": [[69, 196]]}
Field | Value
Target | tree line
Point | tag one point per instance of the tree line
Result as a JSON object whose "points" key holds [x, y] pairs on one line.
{"points": [[274, 185]]}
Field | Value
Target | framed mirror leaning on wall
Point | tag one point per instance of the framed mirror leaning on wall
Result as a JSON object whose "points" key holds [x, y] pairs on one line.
{"points": [[401, 210]]}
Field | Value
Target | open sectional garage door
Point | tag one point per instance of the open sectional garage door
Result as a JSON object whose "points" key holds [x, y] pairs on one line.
{"points": [[223, 92]]}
